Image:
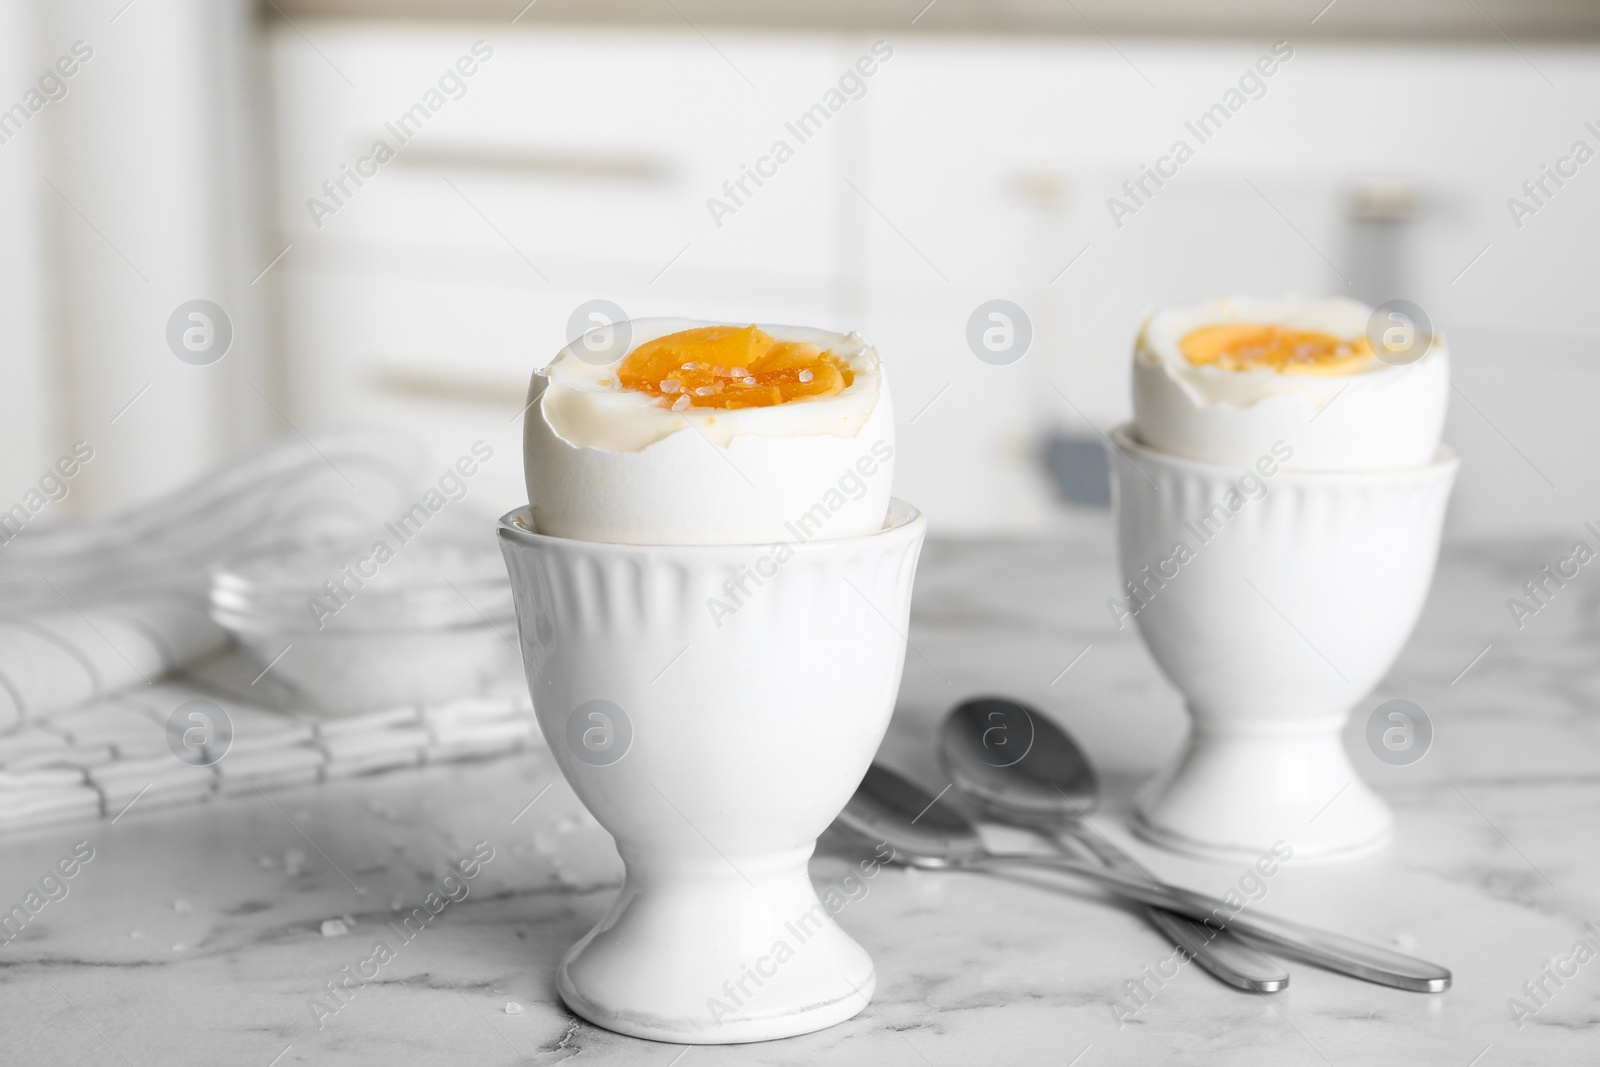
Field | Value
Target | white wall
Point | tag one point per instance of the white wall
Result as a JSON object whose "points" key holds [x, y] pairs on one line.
{"points": [[125, 197], [28, 390]]}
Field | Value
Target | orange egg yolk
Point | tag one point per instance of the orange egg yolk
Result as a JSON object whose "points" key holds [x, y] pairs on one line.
{"points": [[1246, 346], [731, 367]]}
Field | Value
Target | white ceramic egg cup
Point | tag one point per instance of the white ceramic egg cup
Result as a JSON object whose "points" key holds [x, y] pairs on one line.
{"points": [[1291, 609], [714, 747]]}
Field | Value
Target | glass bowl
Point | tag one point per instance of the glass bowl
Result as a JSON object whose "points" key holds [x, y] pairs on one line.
{"points": [[350, 628]]}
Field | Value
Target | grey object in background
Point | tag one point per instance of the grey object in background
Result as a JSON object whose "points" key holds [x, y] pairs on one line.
{"points": [[1078, 470], [1380, 213]]}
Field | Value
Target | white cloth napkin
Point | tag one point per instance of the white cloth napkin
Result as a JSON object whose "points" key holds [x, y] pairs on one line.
{"points": [[97, 606], [351, 754], [477, 727], [28, 808], [273, 768], [58, 659], [114, 756], [150, 782], [94, 614]]}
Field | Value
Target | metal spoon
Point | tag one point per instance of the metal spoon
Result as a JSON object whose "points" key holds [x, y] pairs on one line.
{"points": [[1016, 767], [923, 833]]}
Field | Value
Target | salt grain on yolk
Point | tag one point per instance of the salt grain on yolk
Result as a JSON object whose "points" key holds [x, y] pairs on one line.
{"points": [[1248, 346], [731, 367]]}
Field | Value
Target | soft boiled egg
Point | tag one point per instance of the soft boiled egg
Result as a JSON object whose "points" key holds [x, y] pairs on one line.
{"points": [[1222, 382], [710, 433]]}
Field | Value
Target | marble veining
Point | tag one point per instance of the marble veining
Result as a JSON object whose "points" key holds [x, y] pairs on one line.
{"points": [[201, 935]]}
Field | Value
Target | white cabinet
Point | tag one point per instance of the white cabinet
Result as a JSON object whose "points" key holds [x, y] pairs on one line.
{"points": [[577, 164]]}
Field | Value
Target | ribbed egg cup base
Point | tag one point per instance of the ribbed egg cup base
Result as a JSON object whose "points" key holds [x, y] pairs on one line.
{"points": [[1235, 792]]}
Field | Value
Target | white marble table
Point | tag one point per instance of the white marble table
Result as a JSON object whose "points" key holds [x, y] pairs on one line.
{"points": [[197, 935]]}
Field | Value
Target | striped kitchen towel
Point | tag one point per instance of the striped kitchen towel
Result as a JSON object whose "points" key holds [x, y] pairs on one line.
{"points": [[97, 606], [145, 749]]}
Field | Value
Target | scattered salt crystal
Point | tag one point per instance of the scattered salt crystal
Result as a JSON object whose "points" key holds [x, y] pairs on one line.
{"points": [[691, 365], [704, 390], [182, 907], [806, 376], [513, 1008], [334, 928], [671, 385], [720, 372], [681, 403], [749, 379], [738, 372]]}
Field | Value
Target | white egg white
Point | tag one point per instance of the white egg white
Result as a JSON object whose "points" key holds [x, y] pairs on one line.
{"points": [[1381, 417], [610, 464]]}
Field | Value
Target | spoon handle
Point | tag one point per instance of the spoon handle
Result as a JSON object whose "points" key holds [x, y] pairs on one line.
{"points": [[1336, 952], [1224, 955]]}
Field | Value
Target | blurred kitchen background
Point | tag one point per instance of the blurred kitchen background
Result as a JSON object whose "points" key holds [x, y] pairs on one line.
{"points": [[180, 158]]}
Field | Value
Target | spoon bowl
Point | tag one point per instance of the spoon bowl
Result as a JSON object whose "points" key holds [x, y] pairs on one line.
{"points": [[889, 809], [1015, 766]]}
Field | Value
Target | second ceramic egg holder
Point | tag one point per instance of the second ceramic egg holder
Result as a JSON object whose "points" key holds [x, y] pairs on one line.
{"points": [[1283, 617]]}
